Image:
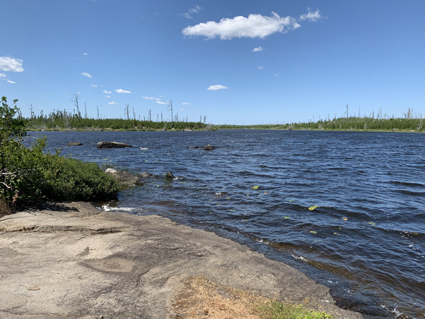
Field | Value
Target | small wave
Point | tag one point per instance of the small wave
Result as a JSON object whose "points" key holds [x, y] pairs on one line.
{"points": [[300, 258], [405, 191], [108, 208], [408, 183]]}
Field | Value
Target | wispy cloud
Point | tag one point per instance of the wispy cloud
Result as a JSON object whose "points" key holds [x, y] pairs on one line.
{"points": [[148, 97], [259, 49], [122, 91], [94, 85], [84, 53], [160, 102], [11, 82], [217, 87], [188, 15], [2, 75], [181, 109], [311, 16], [185, 103], [112, 103], [87, 75], [107, 92], [195, 9], [108, 96], [254, 26], [8, 63], [260, 68]]}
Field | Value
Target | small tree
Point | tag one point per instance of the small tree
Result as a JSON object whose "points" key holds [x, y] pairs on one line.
{"points": [[10, 127], [12, 131]]}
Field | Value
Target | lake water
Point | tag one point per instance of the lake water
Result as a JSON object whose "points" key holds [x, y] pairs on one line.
{"points": [[366, 238]]}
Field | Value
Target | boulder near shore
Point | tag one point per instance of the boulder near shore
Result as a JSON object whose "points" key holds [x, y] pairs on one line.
{"points": [[71, 260], [112, 145]]}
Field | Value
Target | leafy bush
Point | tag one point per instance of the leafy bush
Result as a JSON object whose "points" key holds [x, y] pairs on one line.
{"points": [[29, 175], [72, 179]]}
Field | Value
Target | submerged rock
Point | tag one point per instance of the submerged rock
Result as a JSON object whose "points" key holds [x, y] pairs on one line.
{"points": [[209, 148], [194, 146], [112, 145], [146, 175], [169, 175], [74, 144], [124, 178]]}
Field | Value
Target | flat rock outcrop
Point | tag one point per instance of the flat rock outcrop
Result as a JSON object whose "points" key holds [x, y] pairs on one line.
{"points": [[74, 144], [73, 261], [112, 145]]}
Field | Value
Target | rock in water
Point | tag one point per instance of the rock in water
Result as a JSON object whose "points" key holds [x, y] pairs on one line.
{"points": [[124, 178], [146, 175], [169, 175], [112, 145], [194, 146], [74, 144], [208, 148]]}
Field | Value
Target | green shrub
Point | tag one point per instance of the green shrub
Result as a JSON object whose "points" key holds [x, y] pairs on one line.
{"points": [[30, 175], [71, 179]]}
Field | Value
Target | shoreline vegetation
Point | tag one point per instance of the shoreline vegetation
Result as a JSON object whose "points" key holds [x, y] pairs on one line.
{"points": [[30, 175], [74, 121]]}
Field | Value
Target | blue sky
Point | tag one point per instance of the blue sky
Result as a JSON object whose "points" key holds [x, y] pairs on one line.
{"points": [[235, 62]]}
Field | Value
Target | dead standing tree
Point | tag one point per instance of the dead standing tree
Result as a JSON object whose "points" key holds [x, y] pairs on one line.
{"points": [[75, 101], [170, 107]]}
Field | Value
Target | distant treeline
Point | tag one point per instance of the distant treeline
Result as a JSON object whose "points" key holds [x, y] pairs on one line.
{"points": [[63, 120], [351, 123]]}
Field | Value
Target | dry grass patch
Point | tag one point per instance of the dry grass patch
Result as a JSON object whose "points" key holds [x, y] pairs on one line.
{"points": [[201, 298]]}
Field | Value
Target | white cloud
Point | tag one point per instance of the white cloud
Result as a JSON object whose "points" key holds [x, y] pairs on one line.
{"points": [[259, 49], [217, 87], [276, 74], [160, 102], [10, 64], [86, 74], [107, 92], [196, 9], [148, 97], [255, 26], [107, 96], [181, 109], [185, 103], [11, 82], [112, 103], [94, 85], [311, 16], [78, 93], [122, 91], [84, 53], [2, 75], [260, 68]]}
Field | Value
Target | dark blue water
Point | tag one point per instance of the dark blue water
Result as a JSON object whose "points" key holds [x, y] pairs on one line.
{"points": [[366, 238]]}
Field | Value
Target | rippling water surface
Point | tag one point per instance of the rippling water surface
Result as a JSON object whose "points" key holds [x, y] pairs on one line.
{"points": [[366, 238]]}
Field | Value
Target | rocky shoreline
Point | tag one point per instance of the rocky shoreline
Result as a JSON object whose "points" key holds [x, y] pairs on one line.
{"points": [[70, 260]]}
